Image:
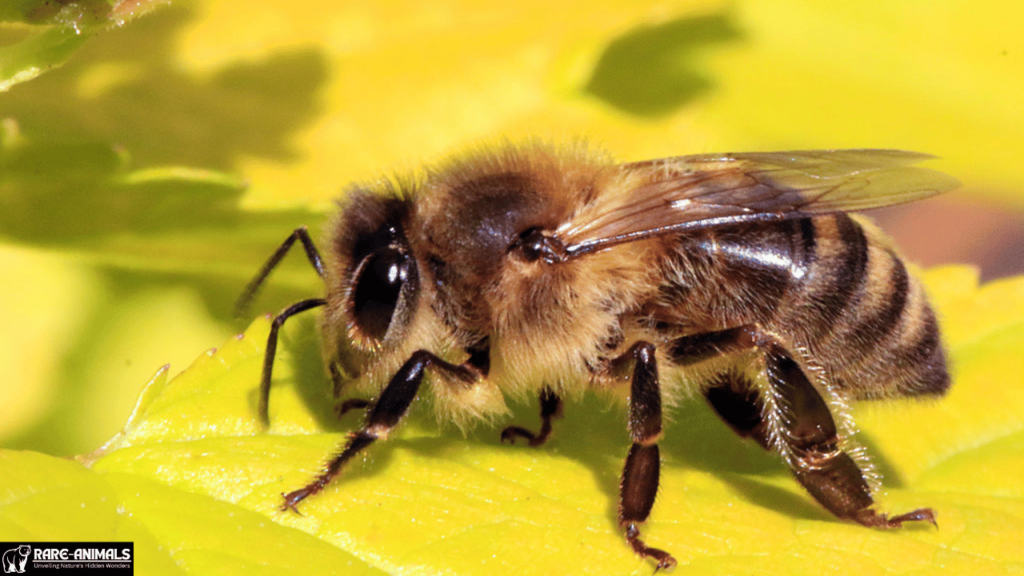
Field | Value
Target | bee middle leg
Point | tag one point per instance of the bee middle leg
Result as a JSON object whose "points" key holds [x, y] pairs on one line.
{"points": [[385, 414], [639, 483], [805, 431], [550, 408]]}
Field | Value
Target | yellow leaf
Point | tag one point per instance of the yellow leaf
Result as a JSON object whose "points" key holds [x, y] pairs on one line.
{"points": [[429, 501]]}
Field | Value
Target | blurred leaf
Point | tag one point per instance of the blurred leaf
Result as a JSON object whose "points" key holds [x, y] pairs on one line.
{"points": [[942, 78], [85, 197], [65, 26], [346, 92], [645, 71], [36, 55], [436, 503], [127, 253]]}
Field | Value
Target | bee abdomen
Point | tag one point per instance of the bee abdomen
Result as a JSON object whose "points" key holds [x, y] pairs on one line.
{"points": [[865, 317], [829, 285], [834, 279]]}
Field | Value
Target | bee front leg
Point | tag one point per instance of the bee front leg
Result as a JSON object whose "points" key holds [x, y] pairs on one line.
{"points": [[804, 432], [387, 412], [550, 408], [640, 475]]}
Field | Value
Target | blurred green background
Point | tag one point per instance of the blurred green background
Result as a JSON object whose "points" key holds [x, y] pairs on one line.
{"points": [[145, 180]]}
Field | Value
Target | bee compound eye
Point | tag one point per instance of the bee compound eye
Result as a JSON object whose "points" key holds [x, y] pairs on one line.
{"points": [[378, 287]]}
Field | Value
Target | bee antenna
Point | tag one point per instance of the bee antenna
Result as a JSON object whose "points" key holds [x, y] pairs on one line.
{"points": [[253, 287]]}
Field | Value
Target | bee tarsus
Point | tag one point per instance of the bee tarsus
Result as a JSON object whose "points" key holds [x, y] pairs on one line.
{"points": [[550, 408], [386, 413], [356, 443], [664, 560], [875, 519]]}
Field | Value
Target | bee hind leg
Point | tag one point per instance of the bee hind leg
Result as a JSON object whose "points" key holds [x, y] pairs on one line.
{"points": [[805, 433], [639, 483], [736, 401], [550, 408]]}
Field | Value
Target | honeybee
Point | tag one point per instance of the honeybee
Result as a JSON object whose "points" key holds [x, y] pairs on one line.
{"points": [[537, 270]]}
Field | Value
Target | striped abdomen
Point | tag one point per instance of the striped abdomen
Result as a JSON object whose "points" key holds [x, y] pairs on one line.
{"points": [[828, 285]]}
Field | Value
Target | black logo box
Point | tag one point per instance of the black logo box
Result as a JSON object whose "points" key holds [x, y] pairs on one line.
{"points": [[44, 557]]}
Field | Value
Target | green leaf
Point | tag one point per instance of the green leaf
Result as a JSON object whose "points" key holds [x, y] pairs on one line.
{"points": [[174, 531], [105, 256], [65, 26], [191, 470], [37, 54]]}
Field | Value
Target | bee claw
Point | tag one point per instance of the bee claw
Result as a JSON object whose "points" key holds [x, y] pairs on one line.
{"points": [[290, 503], [351, 404], [512, 432]]}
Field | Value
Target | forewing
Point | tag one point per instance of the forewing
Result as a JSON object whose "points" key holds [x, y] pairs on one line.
{"points": [[674, 194]]}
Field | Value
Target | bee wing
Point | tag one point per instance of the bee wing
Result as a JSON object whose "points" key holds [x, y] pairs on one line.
{"points": [[671, 195]]}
